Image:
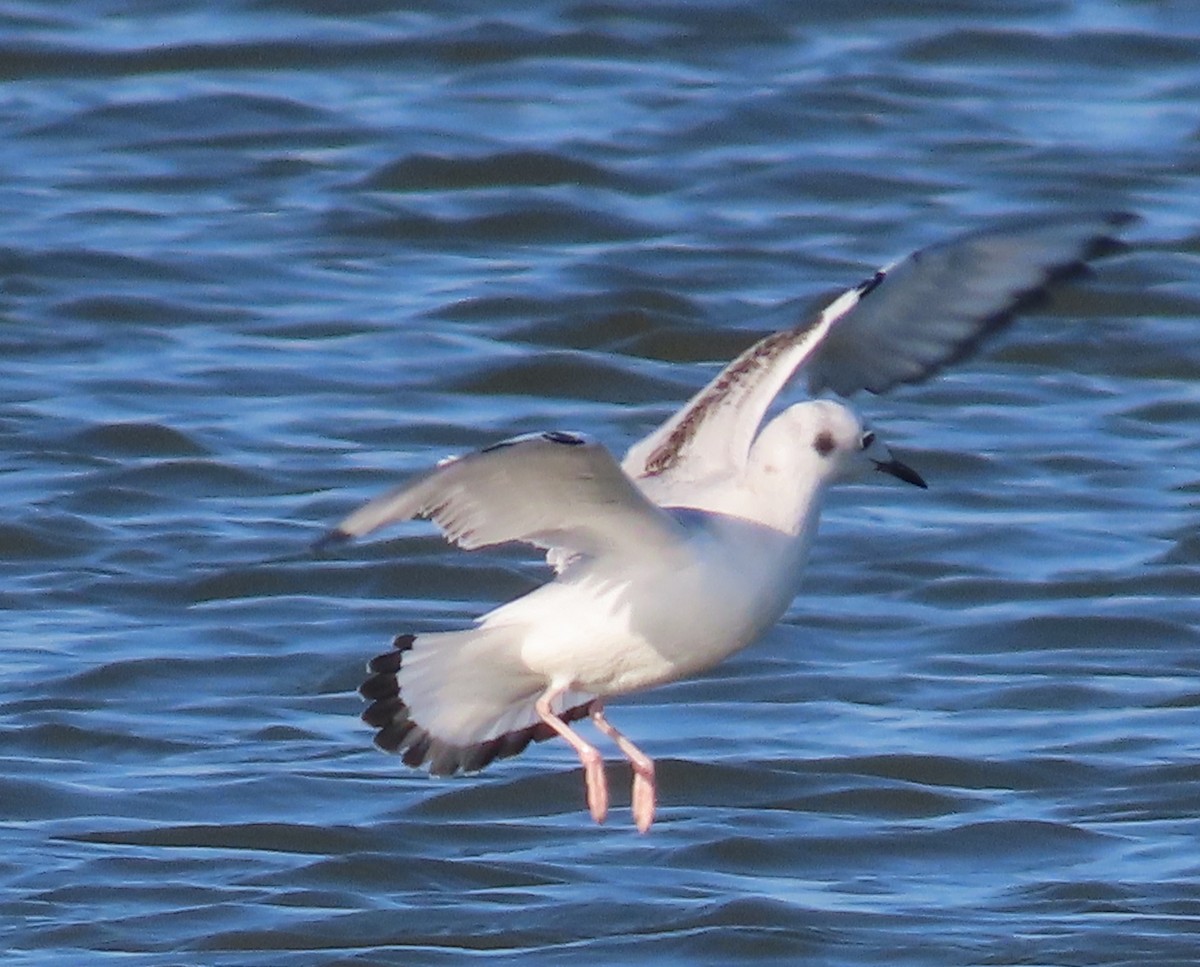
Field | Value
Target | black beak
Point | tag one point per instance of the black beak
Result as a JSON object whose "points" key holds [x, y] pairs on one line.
{"points": [[901, 471]]}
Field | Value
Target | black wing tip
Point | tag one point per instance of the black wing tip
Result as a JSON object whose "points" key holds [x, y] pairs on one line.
{"points": [[1100, 245], [389, 662], [1097, 246], [867, 286], [1103, 245], [565, 437], [1119, 218], [397, 733]]}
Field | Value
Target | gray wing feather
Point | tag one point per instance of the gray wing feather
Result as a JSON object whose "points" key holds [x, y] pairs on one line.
{"points": [[554, 490], [936, 306]]}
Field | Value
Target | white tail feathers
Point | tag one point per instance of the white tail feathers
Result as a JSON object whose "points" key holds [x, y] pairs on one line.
{"points": [[451, 699]]}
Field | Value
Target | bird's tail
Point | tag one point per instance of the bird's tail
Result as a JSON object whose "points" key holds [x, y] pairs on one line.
{"points": [[457, 700]]}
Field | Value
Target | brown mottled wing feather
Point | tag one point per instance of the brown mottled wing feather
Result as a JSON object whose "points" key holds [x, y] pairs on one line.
{"points": [[713, 432]]}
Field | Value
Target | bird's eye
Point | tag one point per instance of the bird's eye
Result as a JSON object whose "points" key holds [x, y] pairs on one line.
{"points": [[867, 439]]}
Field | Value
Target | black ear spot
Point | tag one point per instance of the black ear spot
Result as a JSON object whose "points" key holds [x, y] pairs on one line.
{"points": [[568, 439], [824, 443]]}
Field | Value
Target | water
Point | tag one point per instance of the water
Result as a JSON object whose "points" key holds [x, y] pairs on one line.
{"points": [[257, 261]]}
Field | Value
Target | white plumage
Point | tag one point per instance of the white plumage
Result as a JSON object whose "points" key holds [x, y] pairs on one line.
{"points": [[693, 546]]}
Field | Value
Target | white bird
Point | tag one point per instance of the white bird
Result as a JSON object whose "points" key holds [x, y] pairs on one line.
{"points": [[693, 546]]}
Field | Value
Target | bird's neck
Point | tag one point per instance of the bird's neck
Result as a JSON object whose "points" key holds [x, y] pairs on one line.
{"points": [[788, 503]]}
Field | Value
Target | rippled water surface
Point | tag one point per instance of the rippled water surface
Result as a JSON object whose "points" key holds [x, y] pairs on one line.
{"points": [[258, 260]]}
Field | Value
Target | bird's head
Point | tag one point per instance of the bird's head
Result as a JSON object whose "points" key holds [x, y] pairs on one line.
{"points": [[824, 442]]}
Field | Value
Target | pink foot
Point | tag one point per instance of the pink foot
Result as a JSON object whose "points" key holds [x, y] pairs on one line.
{"points": [[645, 793], [594, 779]]}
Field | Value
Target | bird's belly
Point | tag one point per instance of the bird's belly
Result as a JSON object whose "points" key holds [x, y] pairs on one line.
{"points": [[616, 637]]}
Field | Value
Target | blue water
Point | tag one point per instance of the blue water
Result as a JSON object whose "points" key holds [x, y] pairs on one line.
{"points": [[259, 260]]}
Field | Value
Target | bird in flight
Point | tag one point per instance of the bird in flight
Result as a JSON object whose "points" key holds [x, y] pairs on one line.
{"points": [[693, 545]]}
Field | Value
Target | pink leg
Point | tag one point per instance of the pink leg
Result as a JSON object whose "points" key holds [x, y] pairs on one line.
{"points": [[593, 763], [645, 794]]}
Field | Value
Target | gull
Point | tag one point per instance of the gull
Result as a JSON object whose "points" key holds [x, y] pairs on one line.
{"points": [[693, 546]]}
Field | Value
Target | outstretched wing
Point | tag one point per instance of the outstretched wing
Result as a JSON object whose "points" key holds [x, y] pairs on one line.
{"points": [[936, 306], [557, 491], [902, 325]]}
